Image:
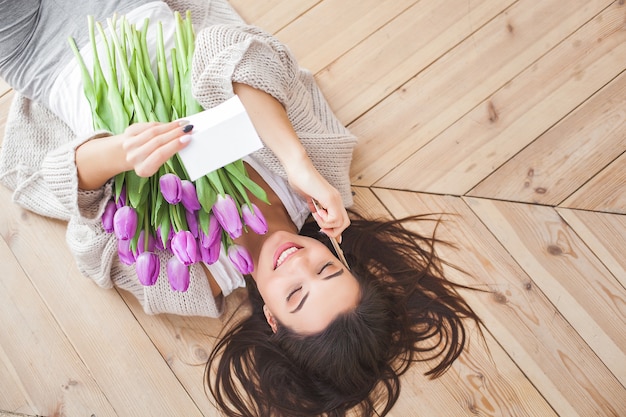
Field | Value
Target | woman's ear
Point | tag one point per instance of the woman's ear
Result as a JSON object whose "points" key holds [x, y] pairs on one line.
{"points": [[270, 318]]}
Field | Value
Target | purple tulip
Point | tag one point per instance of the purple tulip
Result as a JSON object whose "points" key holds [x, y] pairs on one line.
{"points": [[159, 239], [211, 254], [192, 222], [125, 223], [215, 233], [124, 252], [254, 219], [225, 210], [148, 268], [190, 197], [141, 243], [185, 248], [121, 201], [241, 258], [177, 274], [107, 216], [171, 188]]}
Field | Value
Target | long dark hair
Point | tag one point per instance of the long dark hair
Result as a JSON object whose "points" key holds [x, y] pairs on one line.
{"points": [[408, 312]]}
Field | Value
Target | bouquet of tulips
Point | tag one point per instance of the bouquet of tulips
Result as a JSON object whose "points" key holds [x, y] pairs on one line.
{"points": [[193, 220]]}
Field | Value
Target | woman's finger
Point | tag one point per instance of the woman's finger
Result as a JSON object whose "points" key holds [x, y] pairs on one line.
{"points": [[149, 165], [157, 143]]}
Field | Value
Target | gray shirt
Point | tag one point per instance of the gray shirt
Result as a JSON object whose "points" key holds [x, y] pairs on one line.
{"points": [[34, 38]]}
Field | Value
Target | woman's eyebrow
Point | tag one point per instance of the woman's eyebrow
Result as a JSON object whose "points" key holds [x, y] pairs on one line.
{"points": [[301, 303], [333, 275]]}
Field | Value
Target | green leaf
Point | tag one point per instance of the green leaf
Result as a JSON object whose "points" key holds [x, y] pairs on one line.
{"points": [[243, 178], [215, 181], [206, 194], [163, 76], [203, 221]]}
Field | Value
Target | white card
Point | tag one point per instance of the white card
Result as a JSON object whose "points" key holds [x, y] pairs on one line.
{"points": [[220, 135]]}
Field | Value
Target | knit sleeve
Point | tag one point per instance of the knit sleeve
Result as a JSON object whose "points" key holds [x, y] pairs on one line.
{"points": [[37, 162], [236, 53]]}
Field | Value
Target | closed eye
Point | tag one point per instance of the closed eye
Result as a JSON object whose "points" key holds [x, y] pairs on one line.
{"points": [[293, 292], [326, 265]]}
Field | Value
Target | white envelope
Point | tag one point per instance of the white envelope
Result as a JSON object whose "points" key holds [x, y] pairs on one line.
{"points": [[220, 135]]}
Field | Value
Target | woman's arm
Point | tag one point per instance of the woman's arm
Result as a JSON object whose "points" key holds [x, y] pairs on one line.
{"points": [[273, 126], [143, 147]]}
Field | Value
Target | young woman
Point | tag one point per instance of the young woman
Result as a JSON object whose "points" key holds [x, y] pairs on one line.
{"points": [[322, 337]]}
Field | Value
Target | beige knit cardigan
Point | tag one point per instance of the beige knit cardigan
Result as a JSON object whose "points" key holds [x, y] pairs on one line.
{"points": [[37, 158]]}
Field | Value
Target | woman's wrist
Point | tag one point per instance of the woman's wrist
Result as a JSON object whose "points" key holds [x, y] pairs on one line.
{"points": [[295, 160], [98, 160]]}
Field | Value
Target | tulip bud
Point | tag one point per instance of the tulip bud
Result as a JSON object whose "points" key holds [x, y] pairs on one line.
{"points": [[254, 219], [189, 196], [241, 258], [125, 223], [184, 247], [148, 268], [226, 213], [192, 222], [141, 244], [121, 200], [177, 275], [215, 233], [159, 239], [124, 252], [211, 254], [171, 188], [107, 216]]}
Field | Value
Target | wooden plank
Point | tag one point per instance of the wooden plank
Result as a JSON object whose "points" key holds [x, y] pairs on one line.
{"points": [[605, 234], [564, 158], [333, 27], [526, 324], [402, 48], [488, 136], [130, 371], [570, 275], [185, 343], [604, 192], [4, 87], [12, 395], [458, 82], [271, 15], [484, 381], [367, 204], [41, 372]]}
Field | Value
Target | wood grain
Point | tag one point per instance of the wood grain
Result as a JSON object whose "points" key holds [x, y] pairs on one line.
{"points": [[41, 371], [271, 15], [560, 161], [604, 234], [566, 270], [333, 27], [475, 117], [525, 322], [95, 321], [605, 191]]}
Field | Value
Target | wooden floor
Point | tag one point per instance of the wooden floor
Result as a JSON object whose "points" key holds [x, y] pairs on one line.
{"points": [[508, 114]]}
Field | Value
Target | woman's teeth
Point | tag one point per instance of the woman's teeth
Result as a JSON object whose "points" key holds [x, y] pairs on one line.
{"points": [[285, 255]]}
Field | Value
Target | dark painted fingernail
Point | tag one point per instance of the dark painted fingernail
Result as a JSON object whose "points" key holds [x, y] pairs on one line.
{"points": [[187, 128]]}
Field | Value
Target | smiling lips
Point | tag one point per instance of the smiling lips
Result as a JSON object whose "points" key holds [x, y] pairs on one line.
{"points": [[283, 252]]}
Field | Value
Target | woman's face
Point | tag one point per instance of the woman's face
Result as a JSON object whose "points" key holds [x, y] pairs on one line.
{"points": [[303, 284]]}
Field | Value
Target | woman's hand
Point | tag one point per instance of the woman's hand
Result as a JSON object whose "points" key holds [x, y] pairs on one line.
{"points": [[328, 209], [143, 147], [147, 146], [273, 126]]}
